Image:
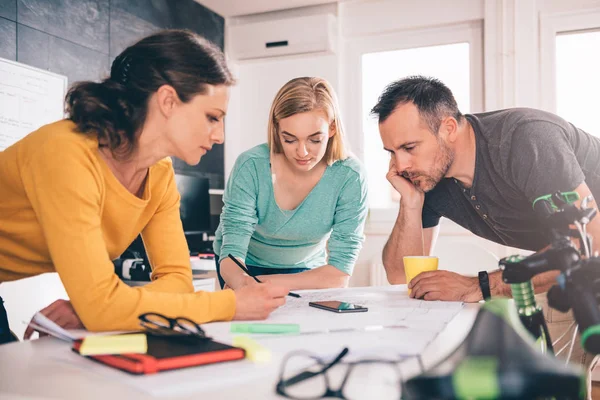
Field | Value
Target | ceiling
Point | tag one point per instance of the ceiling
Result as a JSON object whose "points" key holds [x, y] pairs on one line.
{"points": [[232, 8]]}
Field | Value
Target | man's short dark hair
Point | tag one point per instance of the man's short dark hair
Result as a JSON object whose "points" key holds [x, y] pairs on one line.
{"points": [[433, 99]]}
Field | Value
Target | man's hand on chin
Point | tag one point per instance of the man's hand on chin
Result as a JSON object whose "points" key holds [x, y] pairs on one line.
{"points": [[445, 285]]}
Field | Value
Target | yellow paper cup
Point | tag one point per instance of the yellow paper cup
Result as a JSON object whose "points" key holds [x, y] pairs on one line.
{"points": [[414, 265]]}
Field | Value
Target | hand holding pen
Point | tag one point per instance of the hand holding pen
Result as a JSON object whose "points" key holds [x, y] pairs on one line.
{"points": [[243, 268], [256, 302]]}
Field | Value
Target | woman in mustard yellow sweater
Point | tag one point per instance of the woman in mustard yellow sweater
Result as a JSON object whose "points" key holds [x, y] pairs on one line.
{"points": [[76, 193]]}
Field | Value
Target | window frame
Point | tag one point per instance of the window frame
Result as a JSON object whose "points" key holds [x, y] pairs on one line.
{"points": [[351, 73], [551, 25]]}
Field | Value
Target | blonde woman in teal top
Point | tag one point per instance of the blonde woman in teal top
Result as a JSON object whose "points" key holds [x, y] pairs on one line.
{"points": [[295, 207]]}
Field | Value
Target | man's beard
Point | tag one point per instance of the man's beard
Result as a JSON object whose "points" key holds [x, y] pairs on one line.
{"points": [[443, 160]]}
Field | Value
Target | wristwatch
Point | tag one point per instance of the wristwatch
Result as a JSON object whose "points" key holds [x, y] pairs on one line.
{"points": [[484, 285]]}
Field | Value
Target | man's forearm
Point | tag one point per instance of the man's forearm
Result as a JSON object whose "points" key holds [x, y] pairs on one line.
{"points": [[541, 283], [406, 239]]}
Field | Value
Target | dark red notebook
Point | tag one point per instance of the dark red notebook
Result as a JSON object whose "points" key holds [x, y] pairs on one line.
{"points": [[166, 354]]}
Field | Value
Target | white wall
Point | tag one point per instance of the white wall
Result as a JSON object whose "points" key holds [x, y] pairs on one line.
{"points": [[554, 6], [259, 80], [363, 18], [251, 99]]}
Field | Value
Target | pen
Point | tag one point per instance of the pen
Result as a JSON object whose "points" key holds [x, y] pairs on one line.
{"points": [[239, 264]]}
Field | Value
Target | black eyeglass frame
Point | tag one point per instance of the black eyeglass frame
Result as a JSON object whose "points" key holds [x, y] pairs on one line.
{"points": [[303, 375], [176, 326]]}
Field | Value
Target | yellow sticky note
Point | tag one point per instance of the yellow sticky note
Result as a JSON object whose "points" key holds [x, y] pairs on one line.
{"points": [[254, 351], [114, 344]]}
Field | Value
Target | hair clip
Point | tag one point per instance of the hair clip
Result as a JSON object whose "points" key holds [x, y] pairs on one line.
{"points": [[120, 69]]}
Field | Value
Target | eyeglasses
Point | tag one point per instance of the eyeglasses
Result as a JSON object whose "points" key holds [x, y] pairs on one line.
{"points": [[176, 328], [313, 382]]}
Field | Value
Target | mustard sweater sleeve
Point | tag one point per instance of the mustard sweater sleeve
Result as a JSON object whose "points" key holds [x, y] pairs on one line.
{"points": [[166, 246], [65, 187]]}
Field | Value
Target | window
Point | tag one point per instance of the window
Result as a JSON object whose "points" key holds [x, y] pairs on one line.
{"points": [[569, 65], [578, 78], [453, 54], [449, 63]]}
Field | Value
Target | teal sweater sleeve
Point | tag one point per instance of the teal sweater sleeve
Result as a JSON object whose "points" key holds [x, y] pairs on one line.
{"points": [[239, 215], [347, 235]]}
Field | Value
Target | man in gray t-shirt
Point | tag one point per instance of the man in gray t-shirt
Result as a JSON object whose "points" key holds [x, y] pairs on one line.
{"points": [[482, 171], [520, 154]]}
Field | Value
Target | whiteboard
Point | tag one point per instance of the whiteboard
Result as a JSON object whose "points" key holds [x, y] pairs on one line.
{"points": [[29, 98]]}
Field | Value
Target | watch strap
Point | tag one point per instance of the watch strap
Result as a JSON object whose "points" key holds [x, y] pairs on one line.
{"points": [[484, 285]]}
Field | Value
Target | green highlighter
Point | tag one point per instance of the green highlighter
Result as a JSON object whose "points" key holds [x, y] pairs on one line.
{"points": [[265, 328]]}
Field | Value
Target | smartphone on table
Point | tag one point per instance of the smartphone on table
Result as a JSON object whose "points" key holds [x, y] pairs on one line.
{"points": [[338, 306]]}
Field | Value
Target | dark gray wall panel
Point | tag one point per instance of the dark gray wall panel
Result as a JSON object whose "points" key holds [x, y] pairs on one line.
{"points": [[8, 42], [126, 29], [8, 9], [193, 16], [179, 14], [78, 63], [156, 12], [84, 22], [33, 47]]}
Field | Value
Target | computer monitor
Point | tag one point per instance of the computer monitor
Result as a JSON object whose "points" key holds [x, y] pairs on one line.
{"points": [[195, 203]]}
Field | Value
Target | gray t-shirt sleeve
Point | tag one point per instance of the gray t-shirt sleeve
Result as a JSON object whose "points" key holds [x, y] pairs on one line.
{"points": [[541, 160], [429, 218]]}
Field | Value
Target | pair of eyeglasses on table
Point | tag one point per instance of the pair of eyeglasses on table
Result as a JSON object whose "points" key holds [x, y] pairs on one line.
{"points": [[179, 328], [314, 382]]}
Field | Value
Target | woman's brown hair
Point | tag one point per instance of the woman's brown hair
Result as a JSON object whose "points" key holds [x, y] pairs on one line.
{"points": [[115, 109]]}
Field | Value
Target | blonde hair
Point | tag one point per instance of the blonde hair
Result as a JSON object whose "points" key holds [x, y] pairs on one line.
{"points": [[303, 95]]}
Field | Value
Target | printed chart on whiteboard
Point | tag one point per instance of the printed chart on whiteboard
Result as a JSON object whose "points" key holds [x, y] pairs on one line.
{"points": [[29, 98]]}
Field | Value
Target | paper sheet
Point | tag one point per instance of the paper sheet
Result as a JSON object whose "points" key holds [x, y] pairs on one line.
{"points": [[43, 324], [388, 306]]}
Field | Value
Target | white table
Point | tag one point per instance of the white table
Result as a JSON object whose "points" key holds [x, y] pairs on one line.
{"points": [[200, 284], [203, 264], [46, 368]]}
